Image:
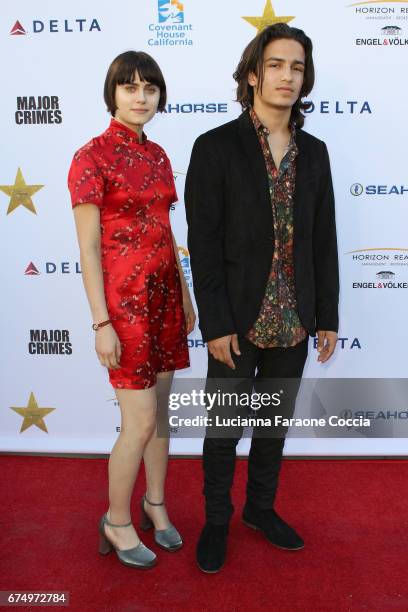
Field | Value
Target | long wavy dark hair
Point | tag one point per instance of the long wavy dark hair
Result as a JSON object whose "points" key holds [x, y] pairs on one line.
{"points": [[252, 60]]}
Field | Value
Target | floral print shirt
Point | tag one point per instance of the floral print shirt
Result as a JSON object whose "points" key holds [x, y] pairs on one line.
{"points": [[278, 323]]}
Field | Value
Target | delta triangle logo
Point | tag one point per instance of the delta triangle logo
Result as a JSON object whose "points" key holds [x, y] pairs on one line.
{"points": [[17, 29], [31, 270]]}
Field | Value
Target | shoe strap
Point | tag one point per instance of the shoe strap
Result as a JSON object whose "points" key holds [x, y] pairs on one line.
{"points": [[152, 503], [107, 521]]}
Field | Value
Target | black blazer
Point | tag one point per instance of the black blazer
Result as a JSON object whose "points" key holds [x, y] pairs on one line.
{"points": [[230, 230]]}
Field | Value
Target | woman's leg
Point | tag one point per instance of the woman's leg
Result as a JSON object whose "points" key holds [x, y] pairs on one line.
{"points": [[138, 412], [156, 454]]}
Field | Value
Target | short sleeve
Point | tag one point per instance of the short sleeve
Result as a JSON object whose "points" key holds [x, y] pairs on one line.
{"points": [[85, 181]]}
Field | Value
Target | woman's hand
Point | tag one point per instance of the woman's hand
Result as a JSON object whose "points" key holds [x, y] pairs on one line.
{"points": [[108, 347], [188, 312]]}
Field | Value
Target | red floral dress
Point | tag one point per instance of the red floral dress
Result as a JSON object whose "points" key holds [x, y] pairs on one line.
{"points": [[133, 186]]}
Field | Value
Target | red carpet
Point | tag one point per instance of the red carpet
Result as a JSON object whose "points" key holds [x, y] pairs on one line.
{"points": [[351, 514]]}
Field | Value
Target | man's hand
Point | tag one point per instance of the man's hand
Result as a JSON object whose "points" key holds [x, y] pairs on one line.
{"points": [[326, 343], [220, 349]]}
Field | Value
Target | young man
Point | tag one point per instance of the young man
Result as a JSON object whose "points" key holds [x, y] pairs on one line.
{"points": [[262, 241]]}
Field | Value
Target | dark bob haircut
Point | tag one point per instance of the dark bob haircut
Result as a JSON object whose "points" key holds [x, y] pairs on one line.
{"points": [[252, 60], [122, 71]]}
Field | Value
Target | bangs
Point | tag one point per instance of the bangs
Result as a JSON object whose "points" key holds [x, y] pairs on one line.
{"points": [[147, 71], [122, 72]]}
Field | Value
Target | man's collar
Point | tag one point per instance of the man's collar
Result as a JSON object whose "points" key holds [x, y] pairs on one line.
{"points": [[262, 128]]}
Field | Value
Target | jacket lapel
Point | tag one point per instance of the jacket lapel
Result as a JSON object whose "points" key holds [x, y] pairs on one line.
{"points": [[256, 164], [299, 199]]}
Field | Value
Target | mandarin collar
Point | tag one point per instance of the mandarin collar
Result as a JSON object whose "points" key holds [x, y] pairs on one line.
{"points": [[125, 132]]}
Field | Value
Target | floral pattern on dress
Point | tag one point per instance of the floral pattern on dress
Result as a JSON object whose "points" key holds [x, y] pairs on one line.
{"points": [[132, 184]]}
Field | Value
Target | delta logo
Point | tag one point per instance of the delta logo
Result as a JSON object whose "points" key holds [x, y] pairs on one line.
{"points": [[56, 26], [338, 107], [17, 30], [196, 343], [170, 29], [31, 270], [343, 343], [52, 267]]}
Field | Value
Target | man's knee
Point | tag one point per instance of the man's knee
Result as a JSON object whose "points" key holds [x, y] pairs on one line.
{"points": [[215, 443]]}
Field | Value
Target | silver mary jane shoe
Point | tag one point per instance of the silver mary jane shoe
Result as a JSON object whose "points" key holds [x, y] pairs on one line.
{"points": [[139, 557], [169, 539]]}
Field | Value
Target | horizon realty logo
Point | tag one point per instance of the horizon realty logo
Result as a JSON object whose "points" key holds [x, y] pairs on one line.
{"points": [[386, 13], [379, 256], [170, 30], [379, 10]]}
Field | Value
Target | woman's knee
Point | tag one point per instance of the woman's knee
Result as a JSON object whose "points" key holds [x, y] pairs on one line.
{"points": [[139, 433]]}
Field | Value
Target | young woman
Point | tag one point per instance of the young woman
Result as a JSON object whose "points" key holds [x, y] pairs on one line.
{"points": [[122, 187]]}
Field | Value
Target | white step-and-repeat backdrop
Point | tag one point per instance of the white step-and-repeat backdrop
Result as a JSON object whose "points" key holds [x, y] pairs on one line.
{"points": [[55, 397]]}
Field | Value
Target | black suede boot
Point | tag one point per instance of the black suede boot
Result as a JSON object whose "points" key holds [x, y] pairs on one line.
{"points": [[212, 547], [273, 527]]}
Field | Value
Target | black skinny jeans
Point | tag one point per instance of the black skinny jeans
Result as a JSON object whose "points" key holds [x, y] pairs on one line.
{"points": [[254, 368]]}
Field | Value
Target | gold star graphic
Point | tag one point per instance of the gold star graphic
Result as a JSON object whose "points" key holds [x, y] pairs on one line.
{"points": [[20, 193], [33, 415], [268, 18]]}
